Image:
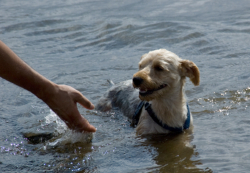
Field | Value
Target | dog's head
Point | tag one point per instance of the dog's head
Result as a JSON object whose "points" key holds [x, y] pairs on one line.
{"points": [[161, 72]]}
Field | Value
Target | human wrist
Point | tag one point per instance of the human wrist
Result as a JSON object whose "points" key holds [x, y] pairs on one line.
{"points": [[46, 90]]}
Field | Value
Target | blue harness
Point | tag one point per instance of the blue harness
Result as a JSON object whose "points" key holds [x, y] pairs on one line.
{"points": [[148, 108]]}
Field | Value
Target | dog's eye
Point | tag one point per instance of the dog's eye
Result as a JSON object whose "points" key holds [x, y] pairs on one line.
{"points": [[158, 68]]}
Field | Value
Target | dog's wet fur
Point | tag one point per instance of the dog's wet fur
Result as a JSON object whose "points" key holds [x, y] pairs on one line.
{"points": [[160, 81]]}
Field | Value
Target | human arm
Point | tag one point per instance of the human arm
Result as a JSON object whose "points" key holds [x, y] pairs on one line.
{"points": [[62, 99]]}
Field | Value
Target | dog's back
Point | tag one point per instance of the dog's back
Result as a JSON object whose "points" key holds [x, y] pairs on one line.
{"points": [[122, 96]]}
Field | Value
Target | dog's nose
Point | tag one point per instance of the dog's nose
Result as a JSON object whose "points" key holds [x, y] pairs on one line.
{"points": [[137, 81]]}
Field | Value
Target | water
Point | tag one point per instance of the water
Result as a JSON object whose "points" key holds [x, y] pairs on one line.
{"points": [[83, 43]]}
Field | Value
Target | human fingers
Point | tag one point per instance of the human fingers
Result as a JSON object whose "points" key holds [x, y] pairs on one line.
{"points": [[78, 123], [86, 126], [71, 115]]}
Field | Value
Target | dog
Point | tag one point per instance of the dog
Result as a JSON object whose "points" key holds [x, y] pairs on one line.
{"points": [[154, 100]]}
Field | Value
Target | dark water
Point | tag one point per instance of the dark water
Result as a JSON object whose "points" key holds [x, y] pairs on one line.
{"points": [[83, 43]]}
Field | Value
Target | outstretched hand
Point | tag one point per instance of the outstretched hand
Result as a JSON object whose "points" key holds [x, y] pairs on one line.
{"points": [[64, 103], [62, 99]]}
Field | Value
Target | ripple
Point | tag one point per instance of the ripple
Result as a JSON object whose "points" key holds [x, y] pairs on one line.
{"points": [[247, 31], [55, 31], [118, 35], [29, 25], [211, 50], [236, 55]]}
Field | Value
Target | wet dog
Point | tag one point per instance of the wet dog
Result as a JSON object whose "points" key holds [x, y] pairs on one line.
{"points": [[154, 100]]}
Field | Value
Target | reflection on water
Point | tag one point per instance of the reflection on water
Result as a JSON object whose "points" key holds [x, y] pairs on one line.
{"points": [[174, 153], [75, 151], [83, 43], [169, 153], [69, 157]]}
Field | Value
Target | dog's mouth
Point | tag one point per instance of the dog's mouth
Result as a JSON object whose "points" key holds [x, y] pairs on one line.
{"points": [[145, 92]]}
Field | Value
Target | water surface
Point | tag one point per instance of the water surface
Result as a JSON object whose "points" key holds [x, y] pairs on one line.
{"points": [[83, 43]]}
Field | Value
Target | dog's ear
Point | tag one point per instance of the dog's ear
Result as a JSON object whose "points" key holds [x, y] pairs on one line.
{"points": [[143, 56], [189, 69]]}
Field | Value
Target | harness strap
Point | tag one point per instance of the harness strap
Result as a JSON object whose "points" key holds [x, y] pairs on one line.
{"points": [[137, 114], [187, 122]]}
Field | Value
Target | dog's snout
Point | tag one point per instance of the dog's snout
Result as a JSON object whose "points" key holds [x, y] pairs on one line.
{"points": [[137, 81]]}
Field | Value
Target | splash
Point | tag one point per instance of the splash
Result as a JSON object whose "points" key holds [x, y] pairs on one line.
{"points": [[63, 135]]}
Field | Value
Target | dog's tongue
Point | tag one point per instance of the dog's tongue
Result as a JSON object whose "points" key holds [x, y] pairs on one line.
{"points": [[143, 91]]}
